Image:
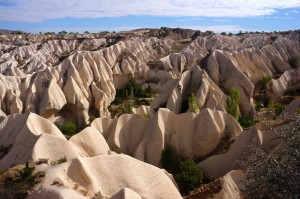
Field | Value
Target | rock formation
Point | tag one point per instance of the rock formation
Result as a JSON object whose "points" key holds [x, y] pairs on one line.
{"points": [[47, 79]]}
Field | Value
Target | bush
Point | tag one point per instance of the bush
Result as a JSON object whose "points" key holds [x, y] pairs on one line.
{"points": [[258, 106], [1, 171], [233, 103], [27, 172], [190, 176], [265, 80], [127, 108], [92, 118], [68, 129], [169, 159], [274, 109], [193, 105], [293, 62], [246, 123], [60, 161]]}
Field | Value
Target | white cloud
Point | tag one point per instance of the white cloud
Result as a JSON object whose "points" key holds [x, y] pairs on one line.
{"points": [[294, 11], [40, 10], [221, 20]]}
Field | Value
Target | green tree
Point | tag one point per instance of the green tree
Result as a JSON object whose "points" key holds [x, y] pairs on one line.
{"points": [[187, 173], [233, 103], [63, 32], [193, 105], [169, 159], [190, 176]]}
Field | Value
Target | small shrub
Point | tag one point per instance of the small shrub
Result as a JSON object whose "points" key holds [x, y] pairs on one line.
{"points": [[258, 106], [190, 176], [293, 62], [1, 171], [246, 123], [60, 161], [193, 105], [233, 103], [27, 172], [274, 109], [68, 129], [265, 80], [127, 108], [169, 159], [92, 118]]}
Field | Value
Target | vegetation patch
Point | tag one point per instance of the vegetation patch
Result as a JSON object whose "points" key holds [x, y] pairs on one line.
{"points": [[293, 62], [274, 109], [193, 104], [264, 81], [132, 95], [187, 173], [131, 90], [246, 123], [68, 129], [18, 182], [233, 103], [59, 161]]}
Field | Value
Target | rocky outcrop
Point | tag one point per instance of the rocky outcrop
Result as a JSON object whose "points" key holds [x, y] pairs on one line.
{"points": [[289, 80], [116, 176], [143, 139], [89, 143], [218, 165], [86, 70], [232, 186], [29, 137], [175, 93]]}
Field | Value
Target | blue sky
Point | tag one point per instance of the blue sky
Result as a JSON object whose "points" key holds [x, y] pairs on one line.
{"points": [[117, 15]]}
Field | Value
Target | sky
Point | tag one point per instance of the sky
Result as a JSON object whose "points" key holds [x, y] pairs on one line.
{"points": [[120, 15]]}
